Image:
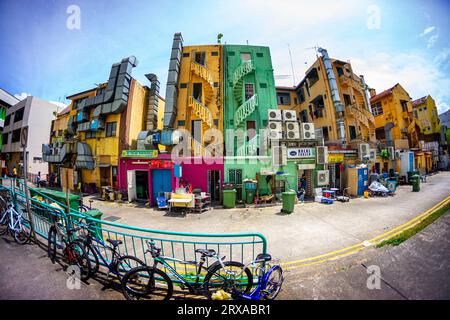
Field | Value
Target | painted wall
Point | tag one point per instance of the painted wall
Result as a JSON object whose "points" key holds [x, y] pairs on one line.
{"points": [[427, 116], [264, 86], [196, 173]]}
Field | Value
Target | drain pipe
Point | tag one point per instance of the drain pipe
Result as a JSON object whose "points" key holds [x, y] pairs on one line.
{"points": [[338, 106], [366, 91]]}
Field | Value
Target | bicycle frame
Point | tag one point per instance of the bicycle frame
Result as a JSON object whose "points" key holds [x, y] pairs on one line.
{"points": [[109, 264], [193, 288], [256, 294]]}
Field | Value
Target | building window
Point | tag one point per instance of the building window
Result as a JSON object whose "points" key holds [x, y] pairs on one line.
{"points": [[246, 56], [60, 133], [181, 123], [235, 176], [114, 175], [284, 98], [215, 53], [249, 91], [260, 55], [185, 55], [91, 134], [404, 105], [415, 114], [326, 136], [200, 57], [15, 136], [263, 85], [37, 160], [216, 122], [216, 84], [340, 71], [377, 109], [347, 100], [7, 120], [183, 85], [111, 128], [231, 53], [5, 138], [295, 101], [197, 130], [301, 95], [352, 131], [18, 116], [197, 91]]}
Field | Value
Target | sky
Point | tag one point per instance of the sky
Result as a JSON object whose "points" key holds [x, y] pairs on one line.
{"points": [[55, 48]]}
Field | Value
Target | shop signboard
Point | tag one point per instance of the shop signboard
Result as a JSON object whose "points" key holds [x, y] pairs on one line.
{"points": [[140, 154], [335, 158], [300, 153]]}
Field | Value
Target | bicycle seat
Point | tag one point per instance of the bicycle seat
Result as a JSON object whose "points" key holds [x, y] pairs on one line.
{"points": [[263, 257], [114, 243], [206, 252]]}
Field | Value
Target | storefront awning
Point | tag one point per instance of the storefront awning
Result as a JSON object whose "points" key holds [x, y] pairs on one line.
{"points": [[104, 165]]}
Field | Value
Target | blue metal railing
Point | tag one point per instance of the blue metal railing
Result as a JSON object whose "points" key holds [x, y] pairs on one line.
{"points": [[242, 247]]}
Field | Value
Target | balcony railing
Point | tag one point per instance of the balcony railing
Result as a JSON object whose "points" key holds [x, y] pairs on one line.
{"points": [[245, 68], [245, 109], [249, 148], [203, 72], [200, 110]]}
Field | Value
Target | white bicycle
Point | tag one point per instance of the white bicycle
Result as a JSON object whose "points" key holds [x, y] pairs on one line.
{"points": [[14, 222]]}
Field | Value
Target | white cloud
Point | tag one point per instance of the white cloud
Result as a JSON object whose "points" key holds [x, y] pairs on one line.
{"points": [[22, 95], [427, 31], [418, 75], [59, 104], [432, 40]]}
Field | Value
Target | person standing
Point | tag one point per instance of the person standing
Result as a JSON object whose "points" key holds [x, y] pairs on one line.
{"points": [[38, 180], [15, 172]]}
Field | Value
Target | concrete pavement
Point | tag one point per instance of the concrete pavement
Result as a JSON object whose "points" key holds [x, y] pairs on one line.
{"points": [[313, 228], [417, 269]]}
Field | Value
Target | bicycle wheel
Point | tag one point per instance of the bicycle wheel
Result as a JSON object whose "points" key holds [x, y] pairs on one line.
{"points": [[93, 258], [218, 279], [23, 232], [4, 224], [126, 263], [51, 243], [274, 283], [145, 282], [75, 255]]}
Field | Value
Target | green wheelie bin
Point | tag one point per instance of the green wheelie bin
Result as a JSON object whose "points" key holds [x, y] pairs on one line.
{"points": [[415, 180], [96, 214], [229, 198], [288, 199]]}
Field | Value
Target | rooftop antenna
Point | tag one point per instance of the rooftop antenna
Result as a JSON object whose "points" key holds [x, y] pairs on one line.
{"points": [[316, 48], [292, 64]]}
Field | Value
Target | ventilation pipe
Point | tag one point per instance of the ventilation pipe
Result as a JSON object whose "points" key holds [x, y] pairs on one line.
{"points": [[152, 111], [170, 110], [338, 106], [367, 92]]}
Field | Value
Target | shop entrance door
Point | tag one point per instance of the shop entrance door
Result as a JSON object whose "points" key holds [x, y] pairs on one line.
{"points": [[142, 186], [214, 185], [161, 182], [105, 176], [131, 184]]}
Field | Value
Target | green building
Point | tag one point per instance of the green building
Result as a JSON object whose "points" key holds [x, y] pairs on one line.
{"points": [[249, 92]]}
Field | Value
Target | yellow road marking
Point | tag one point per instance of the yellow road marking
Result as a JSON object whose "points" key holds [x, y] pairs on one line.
{"points": [[333, 255]]}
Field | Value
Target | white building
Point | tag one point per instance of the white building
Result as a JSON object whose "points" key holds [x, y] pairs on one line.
{"points": [[37, 115]]}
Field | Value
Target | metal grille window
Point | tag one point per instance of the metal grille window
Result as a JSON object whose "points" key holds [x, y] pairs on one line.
{"points": [[377, 109], [15, 136], [18, 116], [249, 90], [111, 128], [91, 134], [7, 120], [245, 56]]}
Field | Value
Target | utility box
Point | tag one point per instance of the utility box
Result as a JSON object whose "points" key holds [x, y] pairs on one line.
{"points": [[357, 180]]}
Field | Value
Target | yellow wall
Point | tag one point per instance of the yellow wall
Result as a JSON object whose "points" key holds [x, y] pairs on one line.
{"points": [[187, 76], [427, 116], [348, 84], [392, 112]]}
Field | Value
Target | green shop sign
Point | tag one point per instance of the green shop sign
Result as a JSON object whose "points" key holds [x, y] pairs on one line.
{"points": [[139, 153]]}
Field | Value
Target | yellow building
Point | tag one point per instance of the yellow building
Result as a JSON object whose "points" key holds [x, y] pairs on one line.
{"points": [[100, 124], [426, 114], [313, 100], [394, 121], [197, 78]]}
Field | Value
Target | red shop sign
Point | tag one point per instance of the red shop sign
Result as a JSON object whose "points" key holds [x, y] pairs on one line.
{"points": [[161, 164]]}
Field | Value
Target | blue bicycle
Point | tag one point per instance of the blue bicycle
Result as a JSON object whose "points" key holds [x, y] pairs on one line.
{"points": [[270, 280], [96, 248]]}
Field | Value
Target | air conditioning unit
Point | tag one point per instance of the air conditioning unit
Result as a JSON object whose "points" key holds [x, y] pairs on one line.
{"points": [[279, 156], [292, 131], [322, 155], [289, 115], [307, 131], [397, 154], [373, 155], [274, 115], [275, 130], [391, 151], [323, 177], [364, 150]]}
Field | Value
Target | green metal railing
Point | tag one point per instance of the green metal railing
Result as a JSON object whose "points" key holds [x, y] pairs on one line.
{"points": [[242, 247]]}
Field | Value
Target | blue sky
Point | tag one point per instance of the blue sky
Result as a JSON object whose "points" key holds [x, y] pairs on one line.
{"points": [[387, 41]]}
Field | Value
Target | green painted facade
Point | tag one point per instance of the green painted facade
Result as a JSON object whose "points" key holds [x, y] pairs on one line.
{"points": [[251, 66]]}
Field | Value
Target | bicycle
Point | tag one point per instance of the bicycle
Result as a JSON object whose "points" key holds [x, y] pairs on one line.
{"points": [[15, 223], [270, 280], [82, 207], [72, 251], [151, 282], [118, 265]]}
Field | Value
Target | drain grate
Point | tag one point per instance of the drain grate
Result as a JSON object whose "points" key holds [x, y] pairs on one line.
{"points": [[111, 218]]}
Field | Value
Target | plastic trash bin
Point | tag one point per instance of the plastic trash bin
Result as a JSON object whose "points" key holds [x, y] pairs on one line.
{"points": [[229, 198], [96, 214], [250, 195], [415, 179], [288, 199]]}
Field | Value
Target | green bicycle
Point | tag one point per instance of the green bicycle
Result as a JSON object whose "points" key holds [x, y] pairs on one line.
{"points": [[149, 282]]}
